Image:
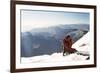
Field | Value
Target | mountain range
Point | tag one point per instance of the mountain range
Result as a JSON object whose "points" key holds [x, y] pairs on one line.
{"points": [[41, 41]]}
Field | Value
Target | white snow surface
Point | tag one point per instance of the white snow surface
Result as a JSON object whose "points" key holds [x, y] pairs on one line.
{"points": [[81, 45]]}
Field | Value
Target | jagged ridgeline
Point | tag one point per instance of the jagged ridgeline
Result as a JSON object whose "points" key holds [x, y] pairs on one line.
{"points": [[40, 41]]}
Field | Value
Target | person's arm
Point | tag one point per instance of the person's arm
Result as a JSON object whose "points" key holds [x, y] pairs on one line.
{"points": [[71, 42]]}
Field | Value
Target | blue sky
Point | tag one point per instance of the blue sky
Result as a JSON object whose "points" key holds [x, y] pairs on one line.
{"points": [[38, 19]]}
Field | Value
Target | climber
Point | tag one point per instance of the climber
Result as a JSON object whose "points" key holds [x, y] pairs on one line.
{"points": [[67, 46]]}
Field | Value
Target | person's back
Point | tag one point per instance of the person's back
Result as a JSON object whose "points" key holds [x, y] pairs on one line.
{"points": [[67, 44]]}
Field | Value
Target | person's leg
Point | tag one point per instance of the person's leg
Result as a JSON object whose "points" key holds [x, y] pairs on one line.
{"points": [[63, 53], [72, 50]]}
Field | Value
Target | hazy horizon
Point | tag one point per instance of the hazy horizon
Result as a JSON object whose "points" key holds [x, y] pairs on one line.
{"points": [[40, 19]]}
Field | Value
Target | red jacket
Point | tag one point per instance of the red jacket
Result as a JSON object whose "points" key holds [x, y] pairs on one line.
{"points": [[67, 44]]}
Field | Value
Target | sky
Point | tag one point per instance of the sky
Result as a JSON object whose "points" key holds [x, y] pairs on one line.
{"points": [[39, 19]]}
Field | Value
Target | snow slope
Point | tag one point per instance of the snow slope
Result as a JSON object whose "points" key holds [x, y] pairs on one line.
{"points": [[81, 45]]}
